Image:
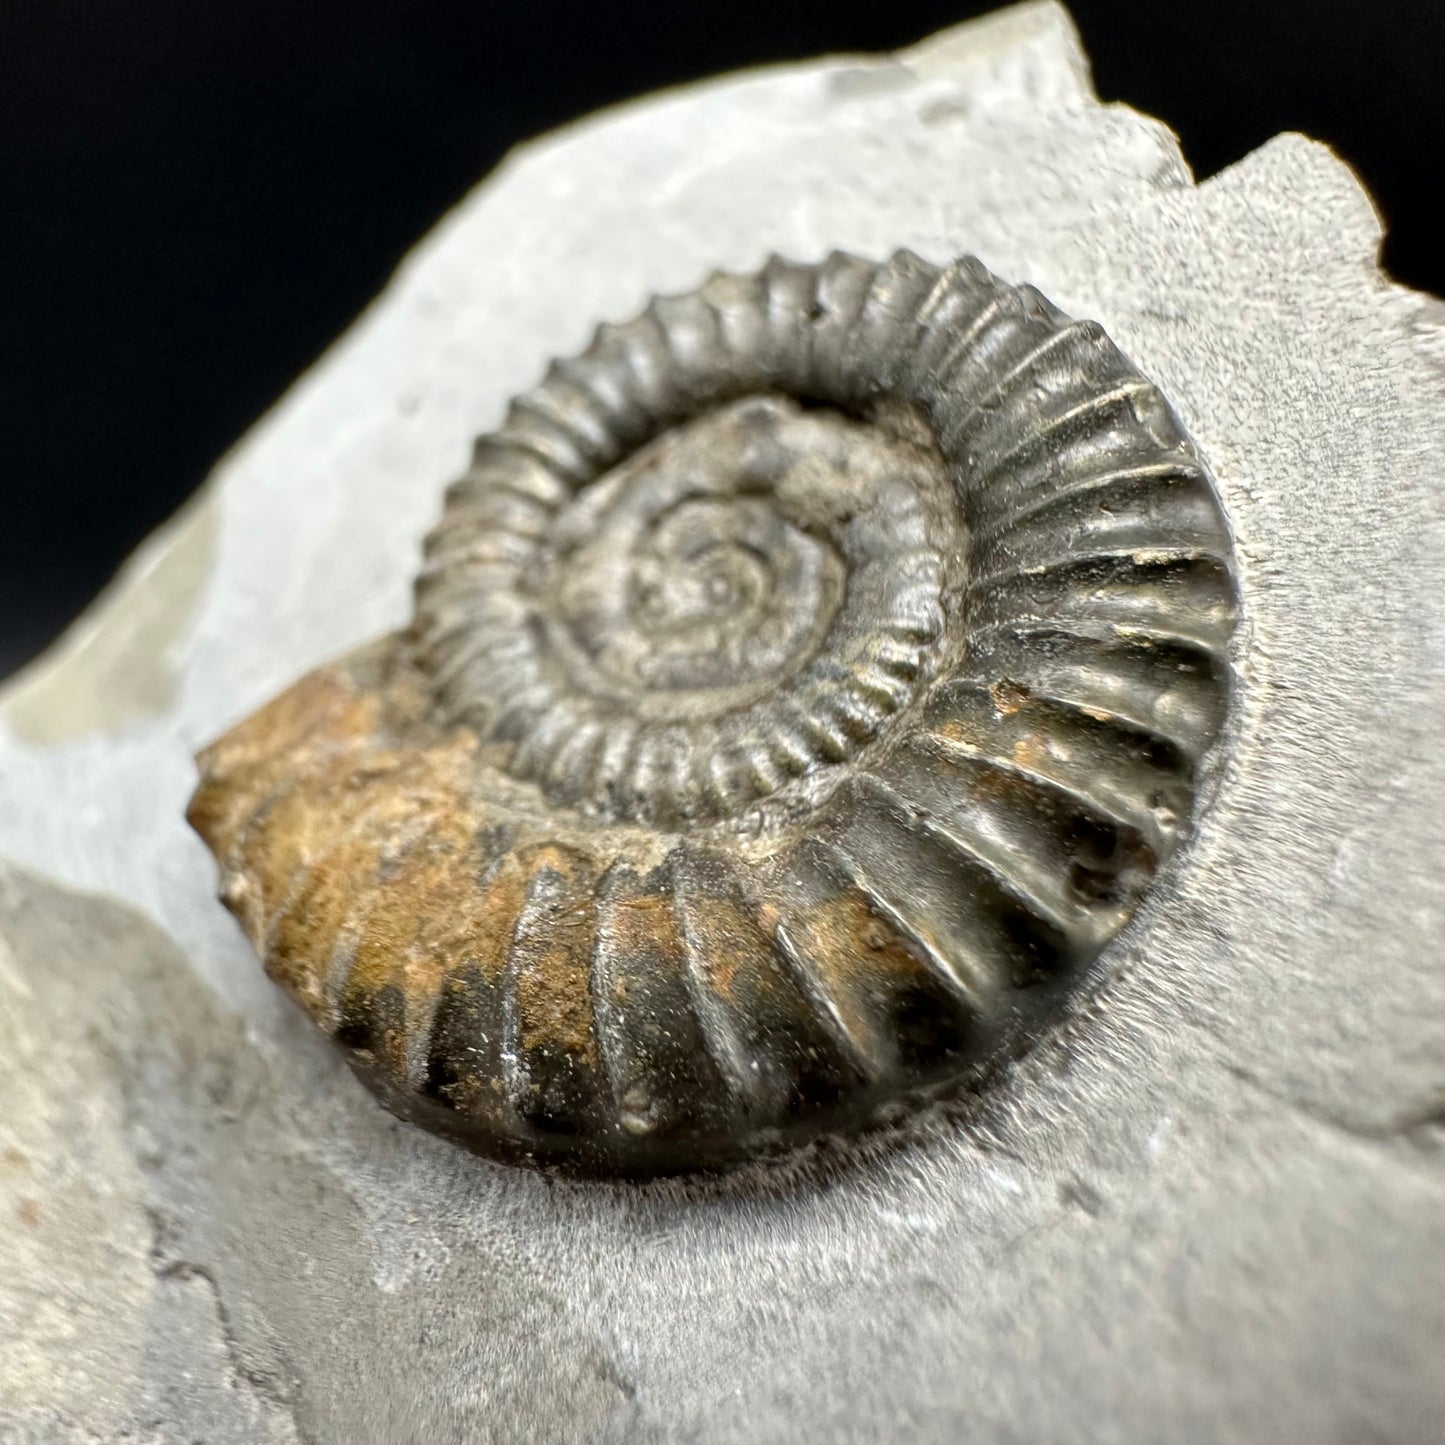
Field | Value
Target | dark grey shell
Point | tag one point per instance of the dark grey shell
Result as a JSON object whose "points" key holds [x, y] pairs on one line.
{"points": [[806, 683]]}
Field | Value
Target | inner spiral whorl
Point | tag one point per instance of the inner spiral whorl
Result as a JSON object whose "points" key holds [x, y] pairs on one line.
{"points": [[737, 605], [686, 581]]}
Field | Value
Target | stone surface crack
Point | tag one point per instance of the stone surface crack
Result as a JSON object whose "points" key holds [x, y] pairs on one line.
{"points": [[168, 1266], [1422, 1126]]}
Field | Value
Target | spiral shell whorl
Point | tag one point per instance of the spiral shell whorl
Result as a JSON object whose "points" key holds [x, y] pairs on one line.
{"points": [[806, 683], [797, 561]]}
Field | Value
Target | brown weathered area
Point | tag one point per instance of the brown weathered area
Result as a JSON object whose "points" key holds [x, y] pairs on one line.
{"points": [[334, 839], [859, 958], [553, 955], [321, 714], [730, 942], [1009, 696], [644, 936]]}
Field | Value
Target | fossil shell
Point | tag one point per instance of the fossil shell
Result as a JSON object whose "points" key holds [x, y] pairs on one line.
{"points": [[806, 683]]}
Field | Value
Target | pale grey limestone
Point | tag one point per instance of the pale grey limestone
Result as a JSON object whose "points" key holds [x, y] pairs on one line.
{"points": [[1213, 1209]]}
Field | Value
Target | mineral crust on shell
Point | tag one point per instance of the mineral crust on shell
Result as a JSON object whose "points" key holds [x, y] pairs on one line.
{"points": [[1226, 1163]]}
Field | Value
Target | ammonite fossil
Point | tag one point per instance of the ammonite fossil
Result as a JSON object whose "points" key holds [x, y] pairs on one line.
{"points": [[806, 682]]}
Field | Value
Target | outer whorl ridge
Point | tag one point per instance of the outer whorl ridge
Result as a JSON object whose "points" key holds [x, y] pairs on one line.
{"points": [[806, 683]]}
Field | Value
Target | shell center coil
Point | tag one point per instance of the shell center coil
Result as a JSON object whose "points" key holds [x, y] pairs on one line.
{"points": [[741, 603]]}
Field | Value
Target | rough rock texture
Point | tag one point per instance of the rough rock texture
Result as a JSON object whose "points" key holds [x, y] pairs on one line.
{"points": [[1212, 1209]]}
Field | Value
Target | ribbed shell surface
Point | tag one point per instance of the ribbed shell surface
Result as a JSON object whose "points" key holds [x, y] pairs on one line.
{"points": [[806, 683]]}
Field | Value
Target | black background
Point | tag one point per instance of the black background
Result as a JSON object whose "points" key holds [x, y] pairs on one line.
{"points": [[197, 195]]}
